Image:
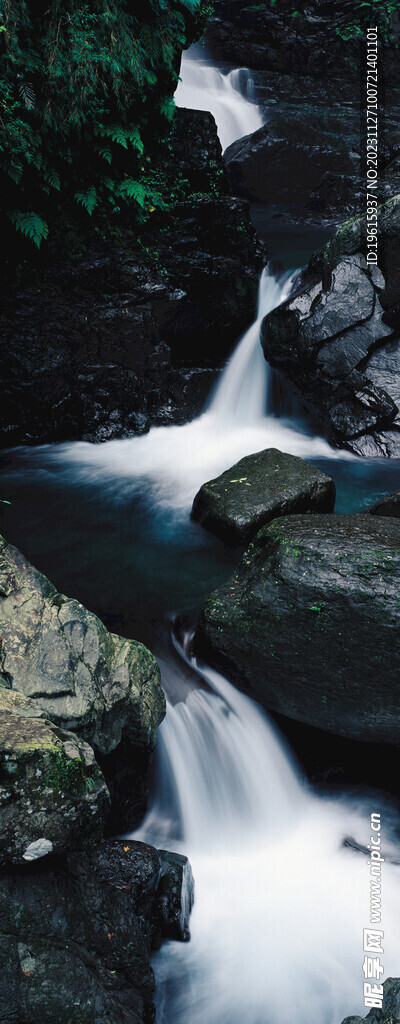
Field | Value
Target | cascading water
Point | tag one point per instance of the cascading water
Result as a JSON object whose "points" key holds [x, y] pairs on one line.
{"points": [[175, 461], [229, 97], [281, 902], [242, 394]]}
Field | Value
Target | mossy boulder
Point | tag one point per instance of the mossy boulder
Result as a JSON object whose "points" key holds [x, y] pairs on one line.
{"points": [[104, 688], [53, 796], [258, 489], [309, 625], [76, 934]]}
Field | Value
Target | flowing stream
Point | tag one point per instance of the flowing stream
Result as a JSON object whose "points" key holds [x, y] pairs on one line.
{"points": [[281, 902], [239, 419]]}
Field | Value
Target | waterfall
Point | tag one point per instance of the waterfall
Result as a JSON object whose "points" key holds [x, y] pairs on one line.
{"points": [[280, 901], [229, 97], [243, 391], [176, 460]]}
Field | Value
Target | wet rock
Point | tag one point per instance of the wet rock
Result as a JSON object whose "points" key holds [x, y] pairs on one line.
{"points": [[310, 624], [76, 938], [387, 506], [298, 165], [103, 687], [175, 895], [332, 341], [53, 796], [258, 489], [279, 39], [390, 1011]]}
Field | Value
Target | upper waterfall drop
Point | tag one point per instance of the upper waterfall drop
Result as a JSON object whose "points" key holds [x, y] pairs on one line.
{"points": [[229, 97]]}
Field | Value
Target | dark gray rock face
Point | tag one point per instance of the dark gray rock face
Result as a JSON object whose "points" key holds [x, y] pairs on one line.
{"points": [[291, 163], [53, 796], [390, 1011], [310, 624], [258, 489], [125, 332], [102, 687], [387, 506], [76, 938], [280, 39], [334, 341]]}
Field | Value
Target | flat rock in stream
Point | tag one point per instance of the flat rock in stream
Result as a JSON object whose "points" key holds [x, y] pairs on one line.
{"points": [[260, 488], [309, 625]]}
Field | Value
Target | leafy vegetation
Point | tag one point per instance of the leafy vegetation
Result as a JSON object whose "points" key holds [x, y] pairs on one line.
{"points": [[349, 18], [84, 89], [354, 16]]}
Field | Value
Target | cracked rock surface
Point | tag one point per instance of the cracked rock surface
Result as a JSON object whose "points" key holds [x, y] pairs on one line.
{"points": [[104, 688], [53, 796], [76, 934], [338, 340]]}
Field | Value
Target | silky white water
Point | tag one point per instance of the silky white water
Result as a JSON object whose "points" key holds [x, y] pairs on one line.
{"points": [[229, 97], [280, 902], [175, 461]]}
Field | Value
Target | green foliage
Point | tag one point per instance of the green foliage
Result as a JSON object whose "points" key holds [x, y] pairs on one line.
{"points": [[30, 225], [349, 18], [354, 16], [83, 90]]}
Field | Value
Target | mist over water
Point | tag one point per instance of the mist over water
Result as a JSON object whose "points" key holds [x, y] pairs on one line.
{"points": [[229, 97]]}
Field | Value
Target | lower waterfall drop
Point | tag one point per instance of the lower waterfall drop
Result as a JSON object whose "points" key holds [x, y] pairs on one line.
{"points": [[280, 901]]}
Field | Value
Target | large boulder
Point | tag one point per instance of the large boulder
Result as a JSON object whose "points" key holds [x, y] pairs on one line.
{"points": [[290, 162], [309, 625], [53, 796], [104, 688], [339, 345], [76, 937], [258, 489]]}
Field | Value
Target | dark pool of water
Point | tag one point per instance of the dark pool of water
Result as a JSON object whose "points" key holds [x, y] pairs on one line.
{"points": [[136, 565], [289, 245]]}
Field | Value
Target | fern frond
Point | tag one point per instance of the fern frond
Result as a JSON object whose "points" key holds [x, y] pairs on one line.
{"points": [[52, 179], [104, 153], [167, 108], [27, 95], [121, 136], [31, 225], [87, 199], [133, 190]]}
